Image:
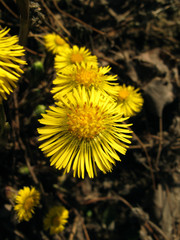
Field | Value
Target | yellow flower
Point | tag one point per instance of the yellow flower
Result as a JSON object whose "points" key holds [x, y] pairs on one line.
{"points": [[129, 100], [83, 131], [73, 56], [10, 70], [55, 220], [84, 75], [55, 43], [26, 200]]}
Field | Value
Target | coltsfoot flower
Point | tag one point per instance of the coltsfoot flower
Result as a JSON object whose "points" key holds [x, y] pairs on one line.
{"points": [[55, 43], [73, 56], [83, 131], [85, 75], [10, 70], [25, 202], [130, 100], [55, 219]]}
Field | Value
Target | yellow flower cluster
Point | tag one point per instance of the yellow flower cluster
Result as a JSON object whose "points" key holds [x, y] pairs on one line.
{"points": [[85, 128], [10, 71], [27, 199]]}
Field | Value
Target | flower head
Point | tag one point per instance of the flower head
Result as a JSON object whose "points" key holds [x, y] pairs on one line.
{"points": [[56, 218], [129, 100], [85, 75], [55, 43], [83, 131], [73, 56], [10, 70], [25, 202]]}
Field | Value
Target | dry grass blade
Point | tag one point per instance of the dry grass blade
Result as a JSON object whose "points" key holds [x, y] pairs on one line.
{"points": [[77, 20]]}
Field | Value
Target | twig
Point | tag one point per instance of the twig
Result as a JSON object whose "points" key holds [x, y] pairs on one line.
{"points": [[118, 198], [74, 228], [19, 234], [83, 225], [50, 15], [148, 224], [138, 146], [24, 21], [77, 20], [100, 55], [34, 52], [52, 28], [54, 20], [158, 230], [7, 7], [148, 159], [21, 143], [77, 216], [85, 231], [150, 230], [8, 23], [16, 110], [160, 142]]}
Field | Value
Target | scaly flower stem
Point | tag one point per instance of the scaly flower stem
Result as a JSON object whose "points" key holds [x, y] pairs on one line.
{"points": [[24, 21]]}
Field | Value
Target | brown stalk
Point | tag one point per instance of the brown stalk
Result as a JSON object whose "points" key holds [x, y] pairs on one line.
{"points": [[54, 20], [148, 224], [160, 142], [148, 158], [24, 21]]}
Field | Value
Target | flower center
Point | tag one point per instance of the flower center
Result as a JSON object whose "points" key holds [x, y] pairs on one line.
{"points": [[85, 122], [123, 94], [87, 77], [59, 40], [56, 221], [29, 203], [77, 58]]}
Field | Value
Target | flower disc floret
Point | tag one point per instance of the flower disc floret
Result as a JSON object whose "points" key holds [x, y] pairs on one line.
{"points": [[76, 58], [25, 202], [87, 77], [59, 41], [83, 131], [123, 94], [85, 122]]}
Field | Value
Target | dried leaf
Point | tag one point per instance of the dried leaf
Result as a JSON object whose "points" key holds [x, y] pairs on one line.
{"points": [[160, 93]]}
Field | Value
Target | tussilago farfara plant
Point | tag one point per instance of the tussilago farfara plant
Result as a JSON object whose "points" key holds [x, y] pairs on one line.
{"points": [[55, 43], [85, 75], [73, 56], [10, 71], [83, 131], [65, 55], [129, 100], [25, 202], [56, 219]]}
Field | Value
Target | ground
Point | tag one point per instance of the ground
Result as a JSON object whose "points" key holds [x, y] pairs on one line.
{"points": [[140, 198]]}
